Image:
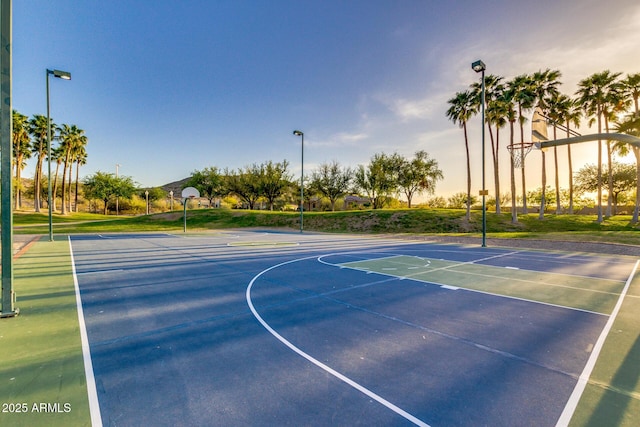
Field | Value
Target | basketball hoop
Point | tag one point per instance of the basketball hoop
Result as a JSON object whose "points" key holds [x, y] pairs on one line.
{"points": [[518, 153]]}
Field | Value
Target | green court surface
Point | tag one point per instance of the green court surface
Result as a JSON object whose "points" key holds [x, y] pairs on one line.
{"points": [[612, 395], [579, 292], [42, 378]]}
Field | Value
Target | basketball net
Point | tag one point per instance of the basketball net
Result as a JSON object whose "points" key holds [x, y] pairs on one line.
{"points": [[519, 152]]}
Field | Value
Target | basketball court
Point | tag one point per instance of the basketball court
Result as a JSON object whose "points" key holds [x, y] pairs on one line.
{"points": [[279, 328]]}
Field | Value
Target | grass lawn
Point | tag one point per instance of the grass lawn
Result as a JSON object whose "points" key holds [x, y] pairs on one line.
{"points": [[617, 229]]}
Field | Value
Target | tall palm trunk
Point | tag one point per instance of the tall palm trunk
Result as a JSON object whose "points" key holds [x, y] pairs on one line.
{"points": [[55, 187], [37, 185], [69, 182], [599, 167], [544, 185], [466, 146], [636, 152], [610, 171], [77, 177], [18, 200], [570, 172], [557, 171], [522, 170], [496, 171], [514, 212]]}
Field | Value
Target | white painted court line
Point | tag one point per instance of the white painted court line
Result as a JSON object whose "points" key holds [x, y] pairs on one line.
{"points": [[94, 404], [316, 362], [99, 271], [572, 404]]}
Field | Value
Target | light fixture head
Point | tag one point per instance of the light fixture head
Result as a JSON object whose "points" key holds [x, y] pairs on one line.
{"points": [[298, 133], [64, 75], [478, 66]]}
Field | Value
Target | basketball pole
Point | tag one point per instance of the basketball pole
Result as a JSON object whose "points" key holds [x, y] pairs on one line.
{"points": [[6, 152]]}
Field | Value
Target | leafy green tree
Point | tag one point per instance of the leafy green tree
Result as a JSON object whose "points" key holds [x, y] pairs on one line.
{"points": [[155, 193], [332, 181], [100, 186], [209, 182], [378, 180], [460, 200], [103, 186], [461, 109], [418, 175], [245, 184], [273, 180], [21, 150], [624, 179]]}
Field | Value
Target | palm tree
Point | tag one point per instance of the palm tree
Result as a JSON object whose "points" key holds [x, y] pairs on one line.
{"points": [[57, 155], [544, 85], [38, 131], [555, 116], [21, 150], [593, 95], [631, 125], [493, 89], [560, 106], [461, 109], [524, 97], [572, 115], [71, 137], [631, 88], [80, 158], [510, 114], [497, 113]]}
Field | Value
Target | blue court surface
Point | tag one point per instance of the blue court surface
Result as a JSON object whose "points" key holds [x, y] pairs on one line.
{"points": [[242, 328]]}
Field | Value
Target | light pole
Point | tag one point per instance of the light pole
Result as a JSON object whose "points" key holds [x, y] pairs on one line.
{"points": [[146, 195], [479, 67], [171, 198], [117, 197], [64, 75], [301, 135]]}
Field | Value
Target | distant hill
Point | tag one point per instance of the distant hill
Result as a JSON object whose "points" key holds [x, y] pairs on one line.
{"points": [[175, 186]]}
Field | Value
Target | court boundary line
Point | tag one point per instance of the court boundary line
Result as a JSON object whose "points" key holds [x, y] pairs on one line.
{"points": [[316, 362], [92, 393], [583, 380]]}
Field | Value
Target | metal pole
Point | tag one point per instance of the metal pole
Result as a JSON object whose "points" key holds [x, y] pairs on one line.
{"points": [[184, 216], [302, 186], [49, 192], [484, 191], [117, 196], [6, 149]]}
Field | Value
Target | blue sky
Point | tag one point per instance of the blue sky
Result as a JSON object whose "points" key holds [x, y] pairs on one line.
{"points": [[163, 88]]}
